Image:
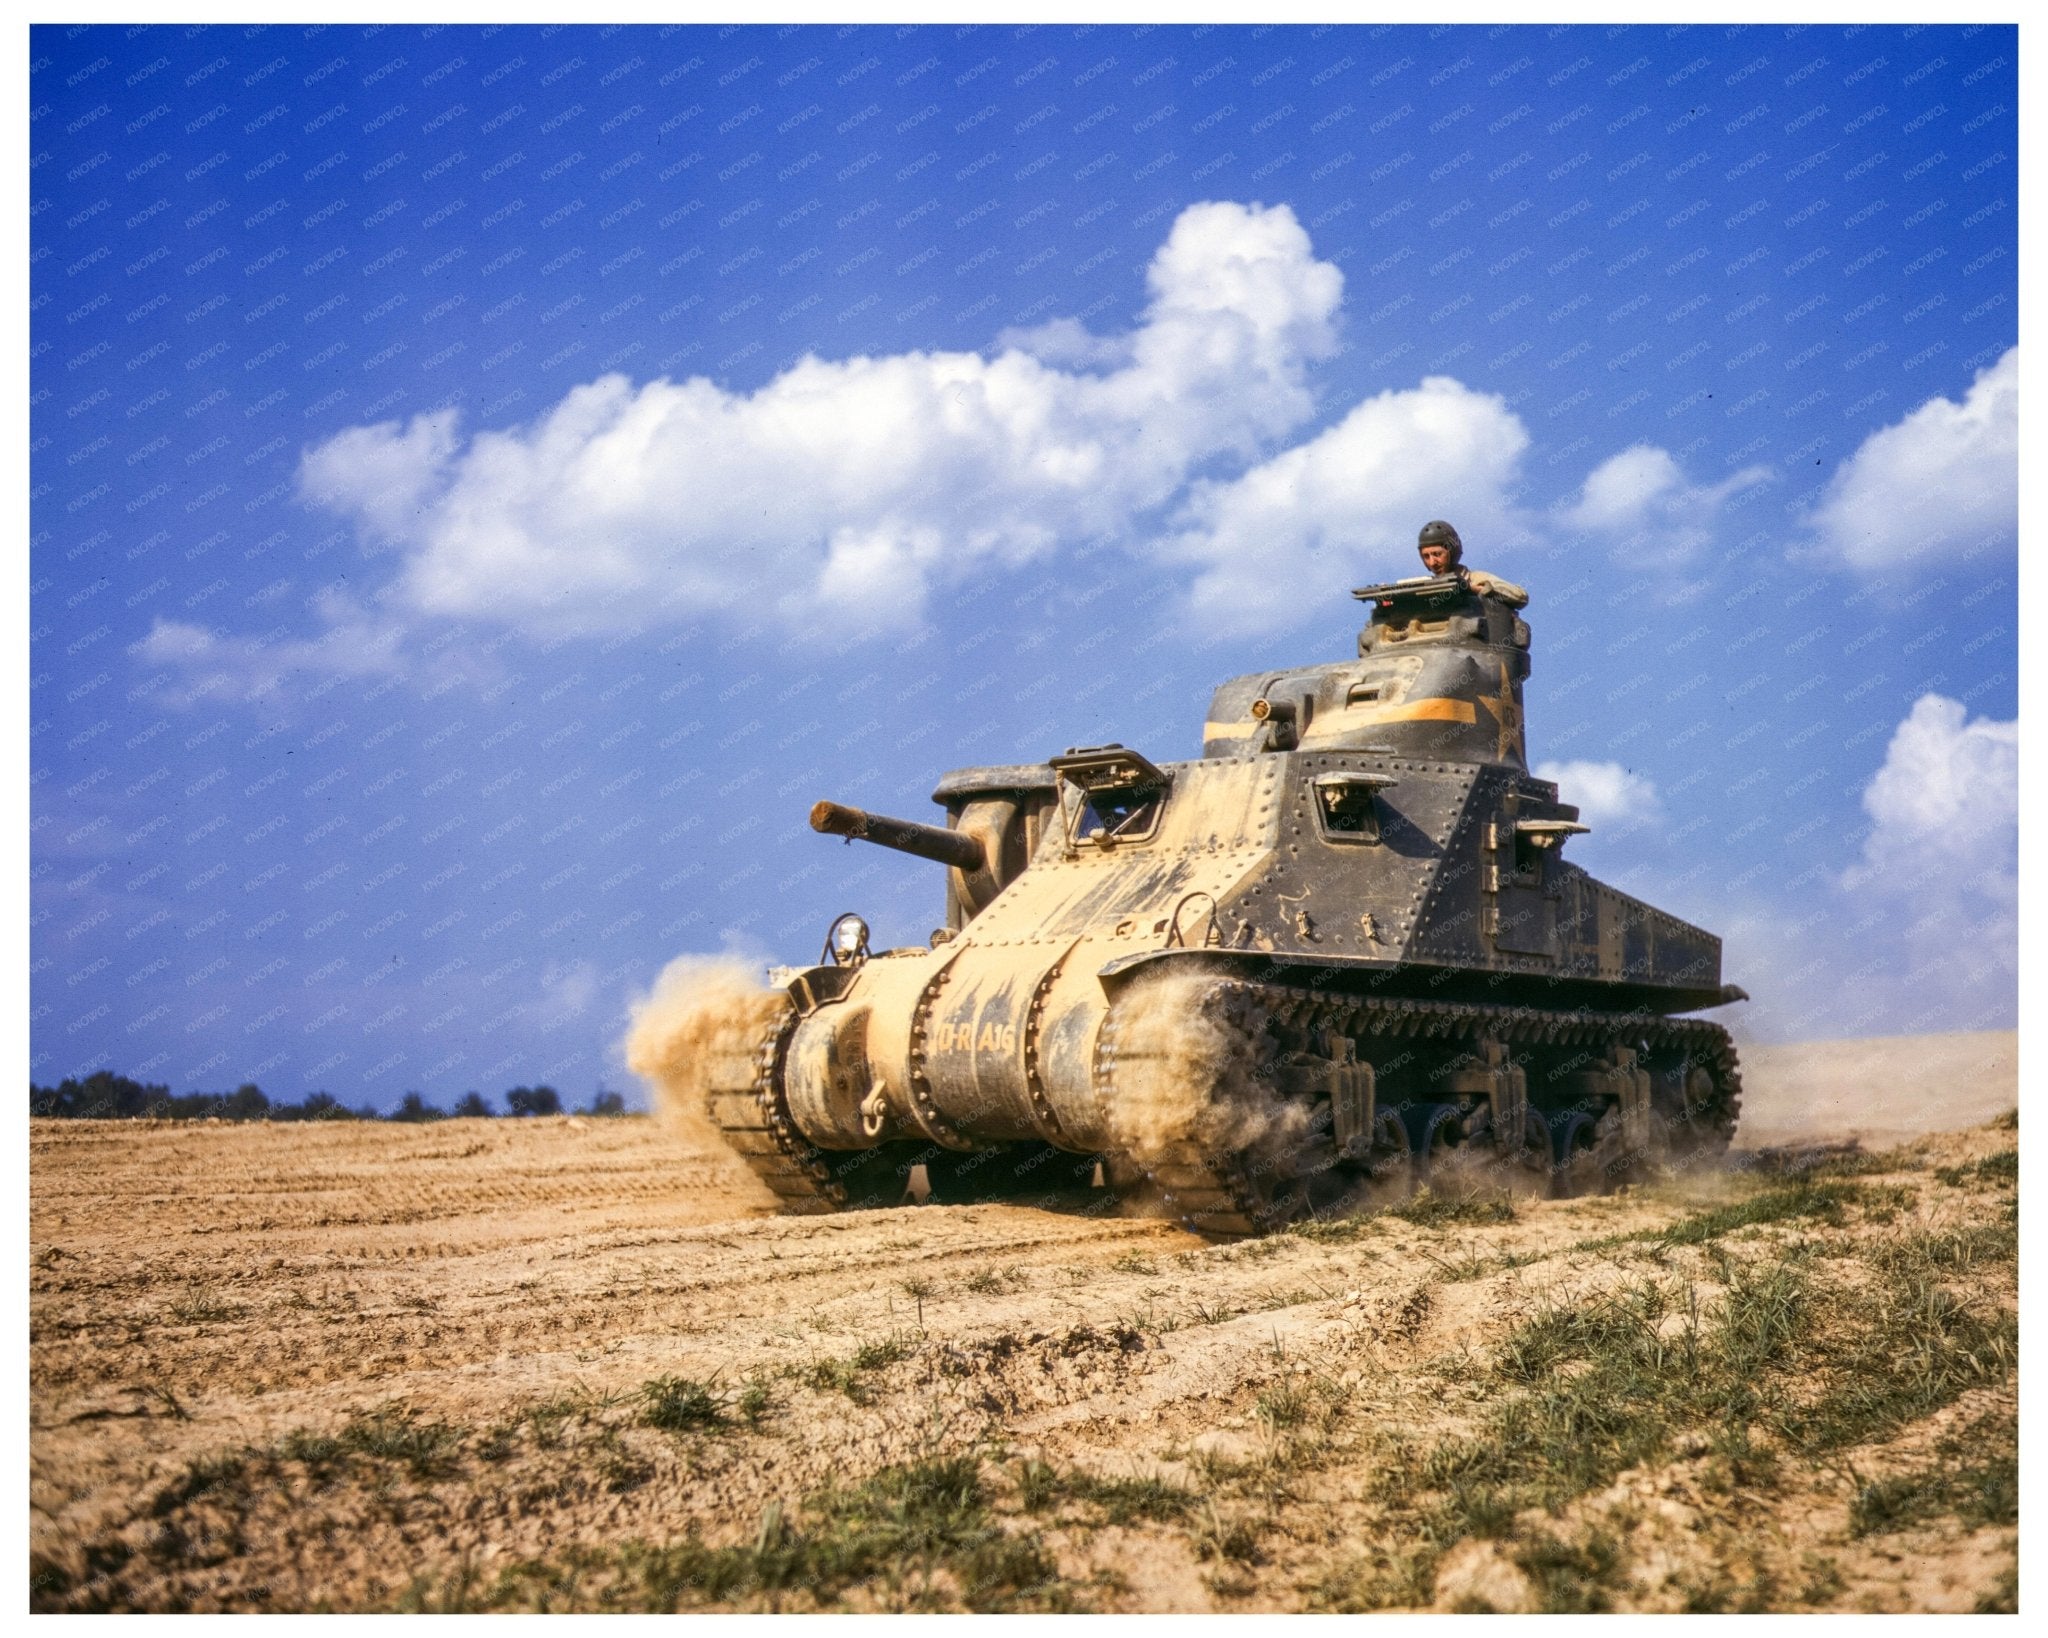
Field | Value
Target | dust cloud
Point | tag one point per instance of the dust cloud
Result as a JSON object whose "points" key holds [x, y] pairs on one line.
{"points": [[701, 1024], [1878, 1090], [1185, 1072]]}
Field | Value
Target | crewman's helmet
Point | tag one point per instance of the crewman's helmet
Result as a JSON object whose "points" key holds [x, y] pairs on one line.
{"points": [[1436, 532]]}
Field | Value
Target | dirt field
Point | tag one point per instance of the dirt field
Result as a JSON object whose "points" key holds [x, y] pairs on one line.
{"points": [[569, 1364]]}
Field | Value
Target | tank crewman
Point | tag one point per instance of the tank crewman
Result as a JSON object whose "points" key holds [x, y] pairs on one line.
{"points": [[1441, 551]]}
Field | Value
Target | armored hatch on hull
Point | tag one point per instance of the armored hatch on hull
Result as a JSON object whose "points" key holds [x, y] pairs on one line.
{"points": [[1342, 944]]}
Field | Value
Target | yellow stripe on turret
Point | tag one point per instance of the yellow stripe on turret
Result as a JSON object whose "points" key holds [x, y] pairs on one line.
{"points": [[1432, 710]]}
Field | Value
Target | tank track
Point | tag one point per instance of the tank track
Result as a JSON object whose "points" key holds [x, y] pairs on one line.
{"points": [[1214, 1192], [745, 1101], [749, 1114]]}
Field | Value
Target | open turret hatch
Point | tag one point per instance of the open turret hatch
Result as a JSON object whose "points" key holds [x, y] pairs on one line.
{"points": [[1422, 589], [1108, 794], [1436, 608]]}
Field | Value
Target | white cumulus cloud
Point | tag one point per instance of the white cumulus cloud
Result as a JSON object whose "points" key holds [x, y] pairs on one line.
{"points": [[853, 485], [1936, 890], [1944, 808], [1921, 932], [1348, 503], [200, 665], [1603, 792], [384, 475], [1644, 505], [1944, 479]]}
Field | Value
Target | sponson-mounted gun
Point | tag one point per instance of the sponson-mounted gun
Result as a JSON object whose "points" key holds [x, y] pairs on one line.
{"points": [[1359, 883]]}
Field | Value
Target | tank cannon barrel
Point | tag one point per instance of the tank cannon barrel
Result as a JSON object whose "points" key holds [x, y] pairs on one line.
{"points": [[948, 847]]}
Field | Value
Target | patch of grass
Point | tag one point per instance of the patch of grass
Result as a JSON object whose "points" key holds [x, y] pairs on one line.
{"points": [[1116, 1500], [426, 1449], [755, 1402], [1213, 1313], [1718, 1593], [1892, 1356], [1380, 1577], [681, 1404], [1973, 1478], [1432, 1210], [846, 1375], [926, 1515], [917, 1536], [1823, 1582], [1592, 1390], [1284, 1406], [2001, 1170], [547, 1421], [2004, 1167], [203, 1309], [1144, 1496], [321, 1454], [1150, 1318], [1135, 1262], [1934, 1253], [1990, 1493], [221, 1475], [1233, 1537], [1039, 1485], [1801, 1199], [990, 1282], [1333, 1230], [1824, 1160], [1571, 1577], [1865, 1163], [873, 1356], [1781, 1364]]}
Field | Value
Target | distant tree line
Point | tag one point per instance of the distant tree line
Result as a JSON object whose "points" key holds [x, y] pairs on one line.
{"points": [[103, 1095]]}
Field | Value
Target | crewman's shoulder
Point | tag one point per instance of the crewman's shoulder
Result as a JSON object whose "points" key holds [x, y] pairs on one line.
{"points": [[1492, 585]]}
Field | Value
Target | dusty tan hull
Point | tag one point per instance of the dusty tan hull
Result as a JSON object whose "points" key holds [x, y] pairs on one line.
{"points": [[1243, 1104], [1342, 943]]}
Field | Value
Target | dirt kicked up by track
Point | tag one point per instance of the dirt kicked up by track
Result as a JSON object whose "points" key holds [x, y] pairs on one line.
{"points": [[575, 1364]]}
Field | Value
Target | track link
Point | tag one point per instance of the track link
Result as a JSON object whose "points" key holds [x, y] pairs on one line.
{"points": [[745, 1101]]}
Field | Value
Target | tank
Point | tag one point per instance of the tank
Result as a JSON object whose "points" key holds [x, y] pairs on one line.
{"points": [[1343, 951]]}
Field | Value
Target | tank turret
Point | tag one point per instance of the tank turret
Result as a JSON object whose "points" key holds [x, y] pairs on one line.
{"points": [[1439, 674], [1340, 950]]}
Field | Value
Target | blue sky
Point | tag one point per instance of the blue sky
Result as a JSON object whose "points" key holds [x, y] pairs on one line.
{"points": [[488, 482]]}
